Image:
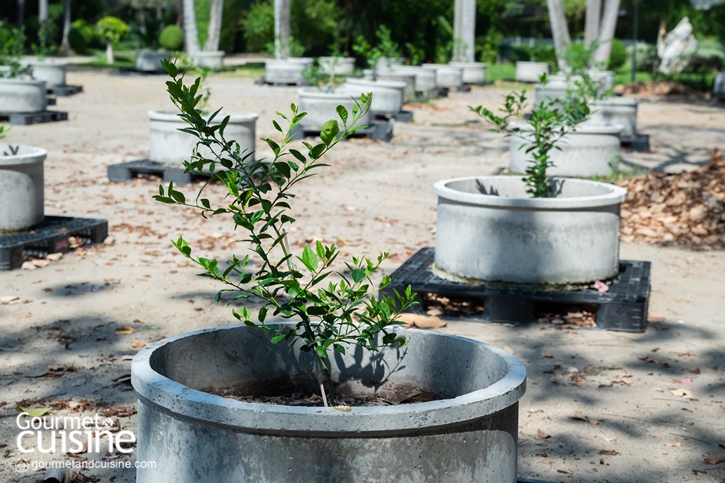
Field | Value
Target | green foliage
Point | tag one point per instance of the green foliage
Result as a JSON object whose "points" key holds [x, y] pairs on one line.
{"points": [[11, 51], [202, 9], [42, 49], [550, 120], [82, 36], [385, 47], [171, 38], [3, 131], [618, 56], [330, 315], [578, 57], [258, 26], [321, 78], [112, 30], [490, 45]]}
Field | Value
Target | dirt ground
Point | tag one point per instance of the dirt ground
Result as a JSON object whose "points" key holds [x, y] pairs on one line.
{"points": [[600, 406]]}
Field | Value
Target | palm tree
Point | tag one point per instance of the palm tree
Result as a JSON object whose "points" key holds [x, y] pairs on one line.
{"points": [[606, 31], [215, 26], [281, 28], [559, 29], [191, 34]]}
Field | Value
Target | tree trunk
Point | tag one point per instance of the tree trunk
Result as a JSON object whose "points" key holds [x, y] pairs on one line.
{"points": [[179, 12], [109, 52], [559, 29], [281, 29], [464, 31], [43, 18], [64, 44], [191, 34], [215, 26], [606, 32], [591, 28], [21, 13]]}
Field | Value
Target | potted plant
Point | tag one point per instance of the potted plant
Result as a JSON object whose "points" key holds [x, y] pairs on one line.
{"points": [[52, 71], [287, 70], [21, 185], [532, 229], [112, 30], [170, 39], [338, 344], [388, 95], [383, 61], [170, 143], [18, 91], [530, 71], [339, 63]]}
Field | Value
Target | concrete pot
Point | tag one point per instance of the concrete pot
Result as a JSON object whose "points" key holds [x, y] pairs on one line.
{"points": [[554, 89], [195, 436], [408, 78], [286, 70], [368, 74], [22, 95], [387, 95], [530, 71], [321, 107], [170, 146], [425, 79], [21, 187], [490, 229], [209, 60], [50, 71], [446, 75], [473, 72], [604, 77], [150, 60], [616, 110], [337, 65], [591, 150], [718, 86], [388, 62]]}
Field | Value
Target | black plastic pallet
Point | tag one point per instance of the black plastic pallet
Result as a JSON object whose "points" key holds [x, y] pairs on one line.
{"points": [[377, 131], [265, 82], [402, 116], [27, 118], [51, 236], [124, 172], [52, 101], [622, 308], [637, 144], [65, 91], [464, 88]]}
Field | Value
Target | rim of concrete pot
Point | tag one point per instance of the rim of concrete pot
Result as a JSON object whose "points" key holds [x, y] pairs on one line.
{"points": [[606, 194], [376, 83], [617, 101], [442, 66], [587, 127], [507, 388], [49, 63], [293, 60], [468, 64], [23, 80], [26, 154], [531, 62], [173, 116], [312, 93], [343, 59]]}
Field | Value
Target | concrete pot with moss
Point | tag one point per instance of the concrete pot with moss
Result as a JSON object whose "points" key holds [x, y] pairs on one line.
{"points": [[490, 229], [321, 106], [530, 71], [21, 187], [387, 95], [211, 59], [22, 95], [337, 65], [469, 433], [425, 79], [446, 75], [150, 60], [473, 72], [286, 70], [408, 78], [51, 71]]}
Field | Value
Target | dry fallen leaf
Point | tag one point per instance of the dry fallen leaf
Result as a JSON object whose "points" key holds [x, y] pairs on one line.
{"points": [[609, 452], [586, 419], [124, 330], [26, 315], [542, 434], [715, 459], [421, 321], [674, 445], [7, 300], [681, 393], [138, 345], [548, 355]]}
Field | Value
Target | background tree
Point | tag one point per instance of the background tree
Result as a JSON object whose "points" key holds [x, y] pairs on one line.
{"points": [[112, 30]]}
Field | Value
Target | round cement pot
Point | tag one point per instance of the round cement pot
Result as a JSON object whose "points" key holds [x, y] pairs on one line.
{"points": [[718, 86], [337, 65], [322, 106], [530, 71], [616, 110], [50, 71], [490, 229], [473, 72], [286, 70], [150, 60], [387, 95], [170, 146], [21, 187], [193, 436], [591, 150], [22, 95], [388, 62], [554, 89], [368, 74], [605, 78], [407, 78], [446, 75], [425, 79], [209, 60]]}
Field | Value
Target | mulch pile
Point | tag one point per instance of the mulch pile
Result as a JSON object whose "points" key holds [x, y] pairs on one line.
{"points": [[685, 209], [660, 89]]}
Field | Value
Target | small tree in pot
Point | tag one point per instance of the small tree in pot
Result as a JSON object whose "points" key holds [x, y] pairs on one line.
{"points": [[112, 30], [331, 316], [10, 54]]}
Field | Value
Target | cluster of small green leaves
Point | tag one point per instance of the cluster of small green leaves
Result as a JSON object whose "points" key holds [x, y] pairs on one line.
{"points": [[43, 48], [322, 78], [551, 120], [386, 47], [330, 314], [11, 51]]}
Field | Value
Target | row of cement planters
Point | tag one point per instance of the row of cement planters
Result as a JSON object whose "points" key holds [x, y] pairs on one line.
{"points": [[21, 187], [192, 435], [150, 60]]}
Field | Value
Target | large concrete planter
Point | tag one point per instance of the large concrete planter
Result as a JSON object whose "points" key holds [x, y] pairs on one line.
{"points": [[21, 187], [387, 95], [150, 60], [49, 70], [591, 150], [616, 110], [446, 75], [530, 71], [408, 78], [718, 86], [368, 74], [286, 70], [322, 106], [209, 59], [170, 146], [490, 229], [22, 95], [554, 89], [473, 72], [388, 62], [194, 436], [337, 65], [425, 79]]}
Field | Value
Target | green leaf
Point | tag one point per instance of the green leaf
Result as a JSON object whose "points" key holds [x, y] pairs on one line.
{"points": [[339, 348], [342, 112], [317, 310], [283, 168], [262, 314], [278, 338], [309, 259], [358, 275], [34, 412], [329, 131], [317, 151], [297, 155]]}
